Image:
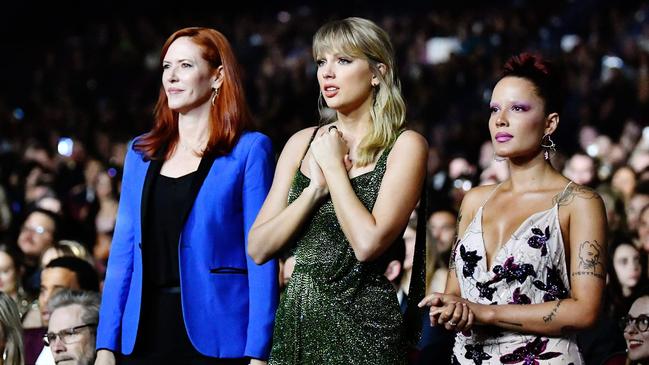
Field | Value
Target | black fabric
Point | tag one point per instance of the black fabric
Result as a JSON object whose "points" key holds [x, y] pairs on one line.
{"points": [[166, 340], [164, 229]]}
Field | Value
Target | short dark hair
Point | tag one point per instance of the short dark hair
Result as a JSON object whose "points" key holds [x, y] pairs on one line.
{"points": [[542, 73], [87, 276]]}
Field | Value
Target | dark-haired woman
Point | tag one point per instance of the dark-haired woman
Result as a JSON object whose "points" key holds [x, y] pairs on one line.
{"points": [[530, 263], [180, 288]]}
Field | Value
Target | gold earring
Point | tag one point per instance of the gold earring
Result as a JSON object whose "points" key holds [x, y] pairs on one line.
{"points": [[215, 93]]}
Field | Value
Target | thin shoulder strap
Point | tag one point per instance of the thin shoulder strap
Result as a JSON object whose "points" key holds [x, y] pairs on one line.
{"points": [[566, 188], [490, 195], [315, 131]]}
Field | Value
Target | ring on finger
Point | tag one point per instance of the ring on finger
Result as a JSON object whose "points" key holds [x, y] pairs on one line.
{"points": [[451, 323], [332, 127]]}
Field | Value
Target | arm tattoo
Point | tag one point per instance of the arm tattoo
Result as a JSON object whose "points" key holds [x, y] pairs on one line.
{"points": [[590, 260], [553, 313], [512, 323], [566, 197]]}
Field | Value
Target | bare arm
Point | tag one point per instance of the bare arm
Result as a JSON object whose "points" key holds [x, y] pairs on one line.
{"points": [[277, 221], [371, 233], [587, 276]]}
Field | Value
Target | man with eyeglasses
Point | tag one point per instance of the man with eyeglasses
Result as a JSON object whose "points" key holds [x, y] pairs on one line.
{"points": [[37, 234], [72, 329]]}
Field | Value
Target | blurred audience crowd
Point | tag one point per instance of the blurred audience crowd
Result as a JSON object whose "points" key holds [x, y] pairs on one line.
{"points": [[65, 123]]}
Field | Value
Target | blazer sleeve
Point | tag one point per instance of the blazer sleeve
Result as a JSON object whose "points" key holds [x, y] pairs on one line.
{"points": [[120, 265], [262, 279]]}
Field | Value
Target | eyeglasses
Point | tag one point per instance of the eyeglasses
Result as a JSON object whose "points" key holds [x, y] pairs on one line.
{"points": [[39, 230], [640, 322], [67, 336]]}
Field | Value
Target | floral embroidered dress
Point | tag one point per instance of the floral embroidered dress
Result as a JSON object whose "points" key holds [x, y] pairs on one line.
{"points": [[530, 268]]}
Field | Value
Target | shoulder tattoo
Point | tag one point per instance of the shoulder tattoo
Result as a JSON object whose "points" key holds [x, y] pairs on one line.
{"points": [[568, 195]]}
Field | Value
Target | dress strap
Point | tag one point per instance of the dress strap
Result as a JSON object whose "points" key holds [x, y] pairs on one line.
{"points": [[315, 131], [490, 195], [563, 193]]}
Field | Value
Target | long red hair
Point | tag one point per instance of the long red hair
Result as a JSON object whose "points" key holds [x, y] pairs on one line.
{"points": [[229, 116]]}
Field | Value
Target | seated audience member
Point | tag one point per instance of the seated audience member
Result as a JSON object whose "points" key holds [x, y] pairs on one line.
{"points": [[11, 341], [11, 277], [63, 272], [643, 230], [37, 234], [635, 326], [72, 329], [442, 234]]}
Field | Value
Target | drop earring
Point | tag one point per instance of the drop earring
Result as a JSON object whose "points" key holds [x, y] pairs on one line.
{"points": [[548, 146]]}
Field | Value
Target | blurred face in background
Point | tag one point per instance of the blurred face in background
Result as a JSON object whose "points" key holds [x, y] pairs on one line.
{"points": [[36, 235], [623, 181], [637, 341], [643, 230], [54, 279], [633, 208], [442, 228], [626, 262], [8, 275], [580, 169]]}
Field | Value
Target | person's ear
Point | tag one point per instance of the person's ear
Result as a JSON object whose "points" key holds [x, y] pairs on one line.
{"points": [[551, 123], [375, 78], [217, 78]]}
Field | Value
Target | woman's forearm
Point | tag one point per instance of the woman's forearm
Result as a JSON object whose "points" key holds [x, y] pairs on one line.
{"points": [[267, 238], [553, 318]]}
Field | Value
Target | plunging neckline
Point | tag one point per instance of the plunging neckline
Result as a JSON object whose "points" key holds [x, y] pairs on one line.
{"points": [[514, 234]]}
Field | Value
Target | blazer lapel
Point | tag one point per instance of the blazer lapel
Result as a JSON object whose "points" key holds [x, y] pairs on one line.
{"points": [[151, 174], [203, 169]]}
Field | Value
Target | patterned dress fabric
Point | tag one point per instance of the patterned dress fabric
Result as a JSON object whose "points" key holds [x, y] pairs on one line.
{"points": [[337, 310], [529, 268]]}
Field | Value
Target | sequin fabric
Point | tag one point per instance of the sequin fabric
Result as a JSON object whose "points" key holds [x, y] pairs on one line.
{"points": [[337, 310], [529, 268]]}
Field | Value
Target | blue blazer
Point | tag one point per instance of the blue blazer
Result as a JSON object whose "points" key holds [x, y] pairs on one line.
{"points": [[228, 301]]}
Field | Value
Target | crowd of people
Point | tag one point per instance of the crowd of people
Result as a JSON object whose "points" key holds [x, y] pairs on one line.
{"points": [[91, 88]]}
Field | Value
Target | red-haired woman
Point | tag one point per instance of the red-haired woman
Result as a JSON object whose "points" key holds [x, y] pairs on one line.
{"points": [[180, 287], [530, 261]]}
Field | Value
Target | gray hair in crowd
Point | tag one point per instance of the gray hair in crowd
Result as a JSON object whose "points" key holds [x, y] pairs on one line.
{"points": [[88, 300]]}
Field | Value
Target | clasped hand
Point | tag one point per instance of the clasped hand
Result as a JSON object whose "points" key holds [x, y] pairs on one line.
{"points": [[328, 151], [450, 311]]}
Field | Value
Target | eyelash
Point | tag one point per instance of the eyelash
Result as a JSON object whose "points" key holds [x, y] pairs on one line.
{"points": [[516, 108], [341, 60], [183, 65]]}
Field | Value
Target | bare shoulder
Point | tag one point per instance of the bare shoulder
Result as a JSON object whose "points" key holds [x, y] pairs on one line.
{"points": [[475, 197], [410, 141], [297, 144]]}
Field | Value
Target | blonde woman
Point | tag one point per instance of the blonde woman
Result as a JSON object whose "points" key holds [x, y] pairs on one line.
{"points": [[341, 195], [11, 337]]}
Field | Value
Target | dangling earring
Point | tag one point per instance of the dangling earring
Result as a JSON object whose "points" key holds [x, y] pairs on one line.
{"points": [[215, 93], [548, 146]]}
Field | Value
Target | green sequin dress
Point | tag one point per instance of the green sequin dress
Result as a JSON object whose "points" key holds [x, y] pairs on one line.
{"points": [[337, 310]]}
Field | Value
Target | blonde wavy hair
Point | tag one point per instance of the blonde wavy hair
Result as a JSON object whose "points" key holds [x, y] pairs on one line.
{"points": [[13, 331], [362, 38]]}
